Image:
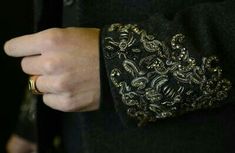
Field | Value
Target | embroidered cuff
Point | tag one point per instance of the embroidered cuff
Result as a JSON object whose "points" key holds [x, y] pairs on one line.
{"points": [[154, 79]]}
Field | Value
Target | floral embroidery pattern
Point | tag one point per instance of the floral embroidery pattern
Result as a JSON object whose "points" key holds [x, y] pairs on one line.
{"points": [[157, 80]]}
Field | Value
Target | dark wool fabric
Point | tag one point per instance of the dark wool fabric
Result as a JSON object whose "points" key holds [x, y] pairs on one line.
{"points": [[209, 26]]}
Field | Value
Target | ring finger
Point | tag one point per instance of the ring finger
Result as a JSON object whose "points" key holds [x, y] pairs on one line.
{"points": [[48, 84]]}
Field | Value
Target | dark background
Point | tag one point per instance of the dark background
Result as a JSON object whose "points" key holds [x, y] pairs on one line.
{"points": [[16, 18]]}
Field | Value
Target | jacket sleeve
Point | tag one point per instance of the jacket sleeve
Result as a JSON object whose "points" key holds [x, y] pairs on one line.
{"points": [[163, 68], [26, 126]]}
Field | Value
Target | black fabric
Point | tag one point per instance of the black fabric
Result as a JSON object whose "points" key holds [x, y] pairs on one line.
{"points": [[26, 126], [103, 131], [48, 15], [27, 130], [199, 24], [209, 26]]}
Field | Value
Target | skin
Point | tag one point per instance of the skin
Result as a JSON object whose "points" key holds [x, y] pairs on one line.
{"points": [[16, 144], [67, 63]]}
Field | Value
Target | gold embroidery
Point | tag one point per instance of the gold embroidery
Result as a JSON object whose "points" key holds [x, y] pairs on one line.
{"points": [[157, 81]]}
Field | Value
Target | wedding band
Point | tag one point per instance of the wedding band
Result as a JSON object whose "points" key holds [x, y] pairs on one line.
{"points": [[32, 85]]}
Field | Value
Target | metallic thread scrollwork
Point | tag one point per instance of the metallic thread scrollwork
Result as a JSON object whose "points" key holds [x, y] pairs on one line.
{"points": [[156, 80]]}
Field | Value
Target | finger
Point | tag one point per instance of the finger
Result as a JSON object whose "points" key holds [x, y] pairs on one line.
{"points": [[49, 84], [65, 103], [32, 65], [26, 45], [56, 101]]}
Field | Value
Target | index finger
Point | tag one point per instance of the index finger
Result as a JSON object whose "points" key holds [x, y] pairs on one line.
{"points": [[26, 45]]}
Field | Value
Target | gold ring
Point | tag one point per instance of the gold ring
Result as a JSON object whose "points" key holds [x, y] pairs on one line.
{"points": [[32, 85]]}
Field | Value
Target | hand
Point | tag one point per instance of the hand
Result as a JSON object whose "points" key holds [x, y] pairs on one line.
{"points": [[67, 63], [17, 144]]}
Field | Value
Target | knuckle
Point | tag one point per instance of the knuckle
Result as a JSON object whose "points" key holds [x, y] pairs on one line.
{"points": [[53, 37], [49, 66], [61, 85]]}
